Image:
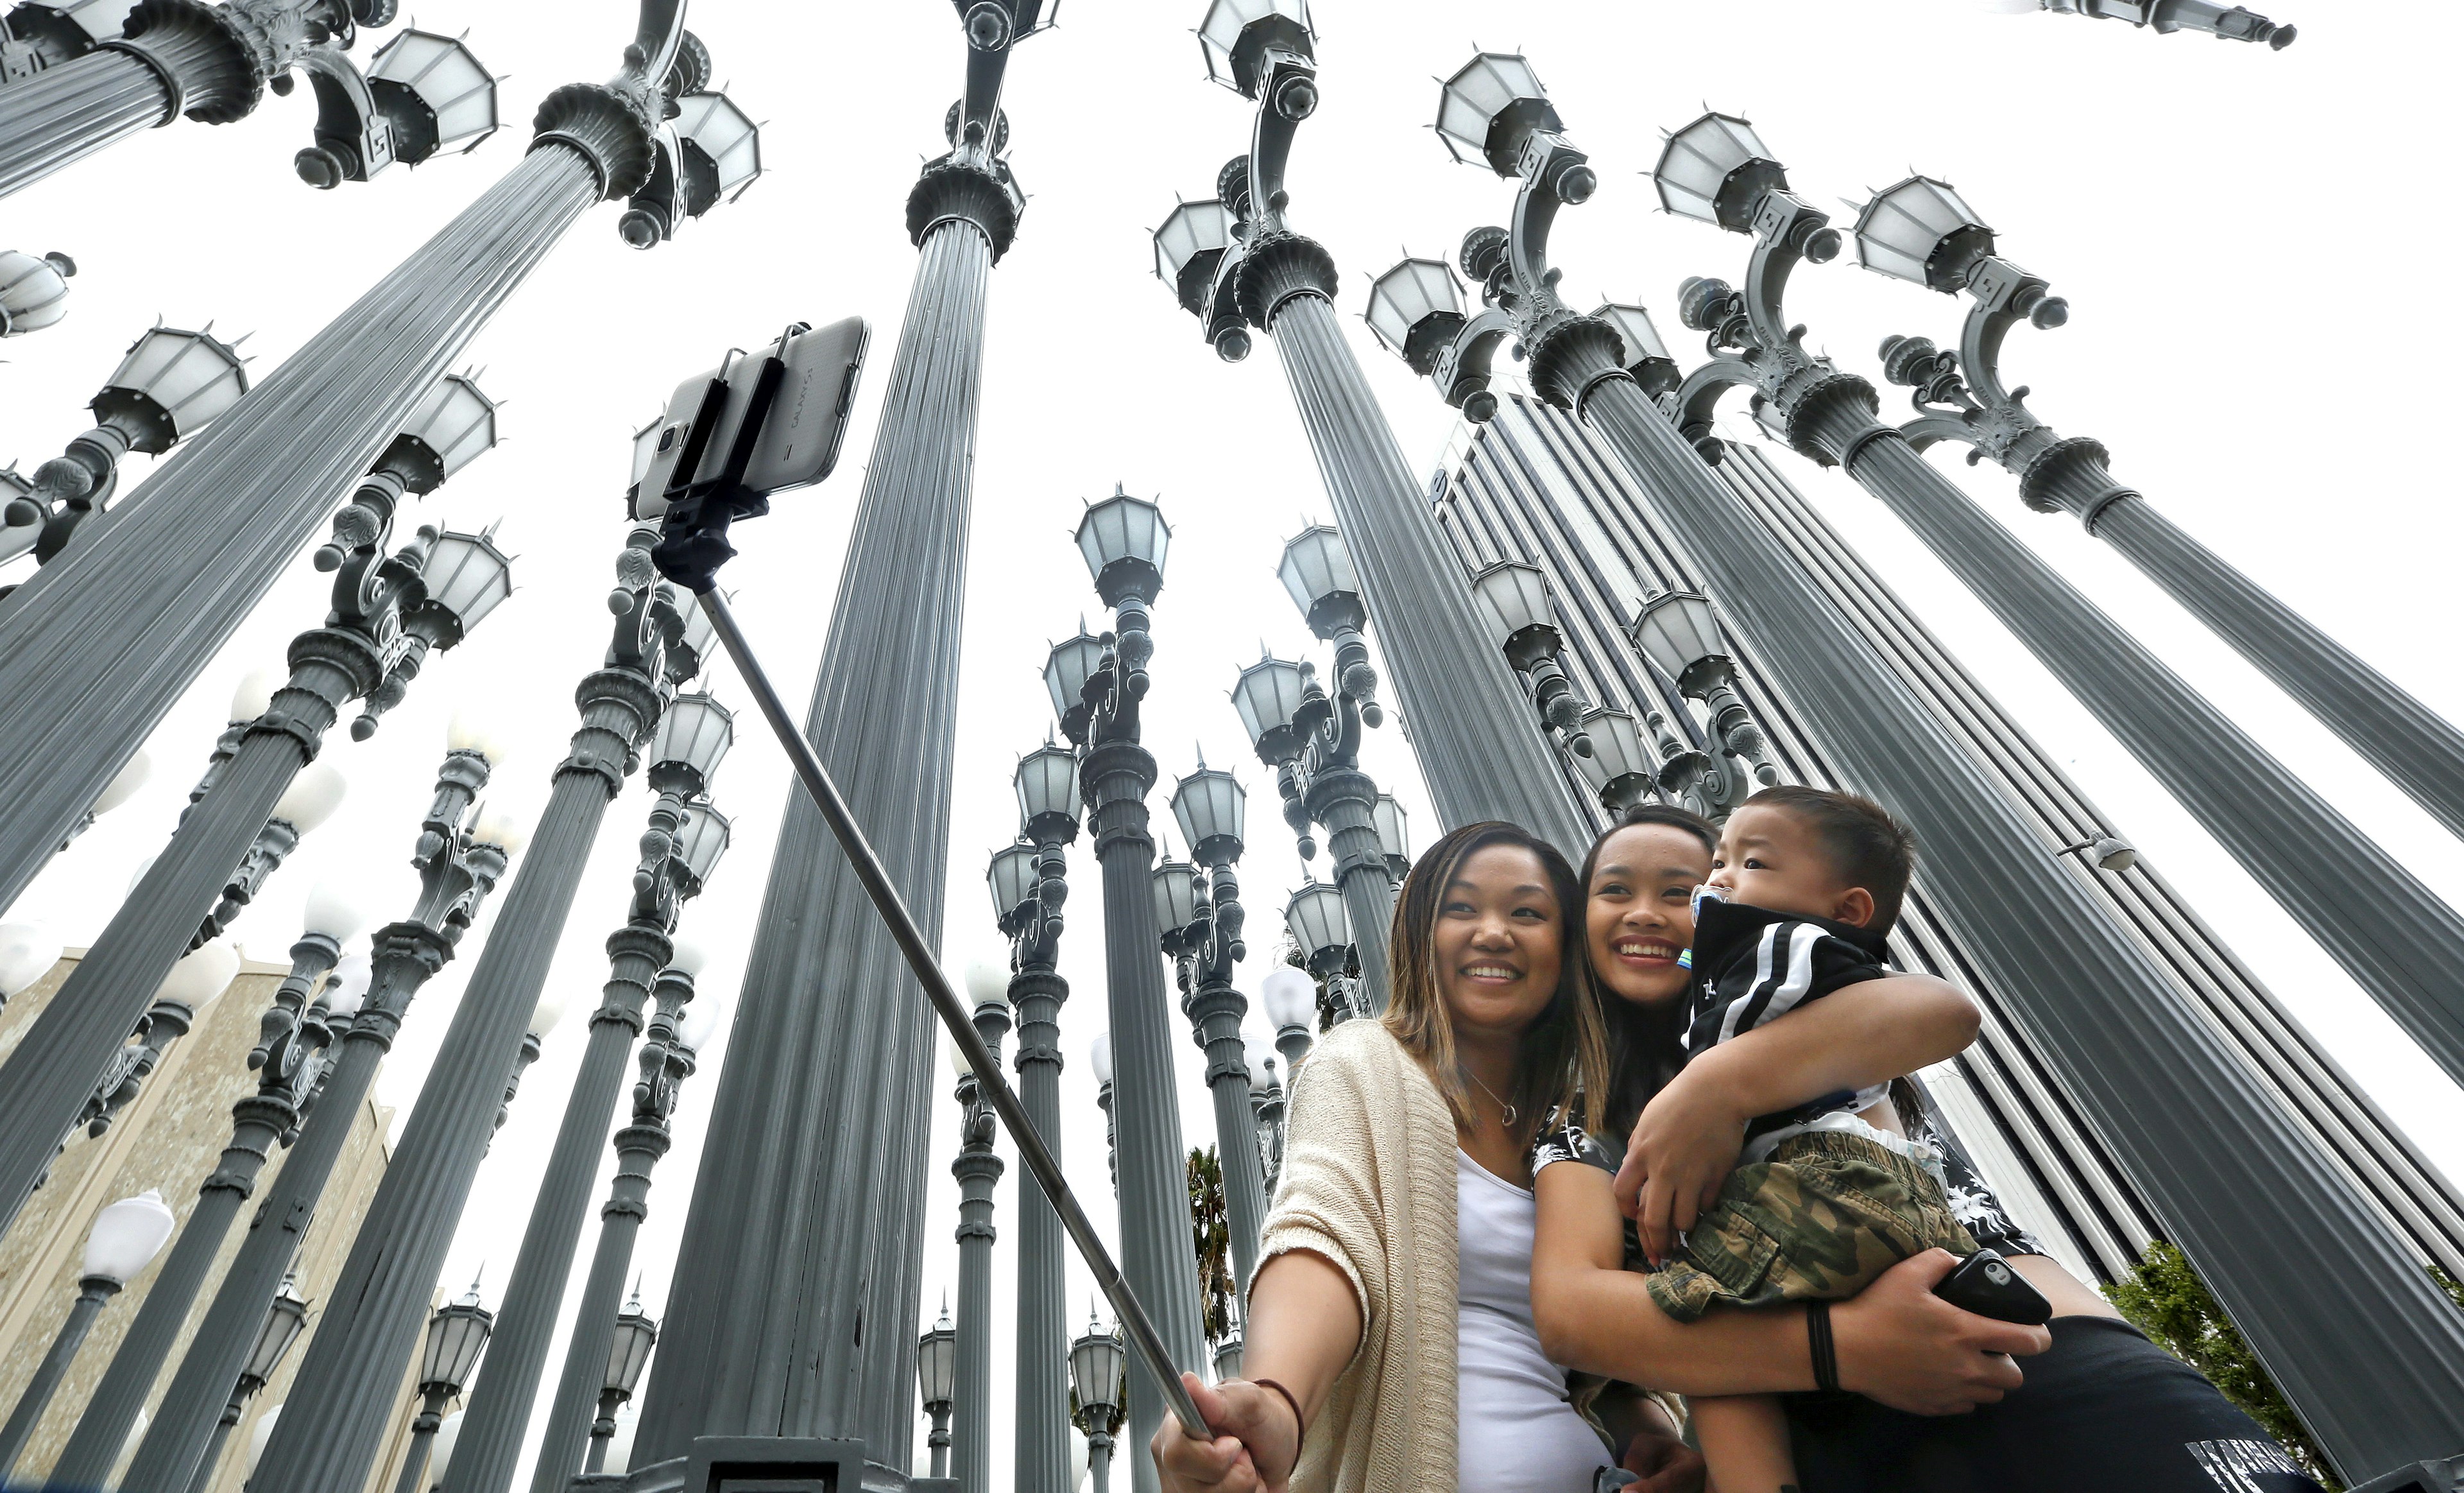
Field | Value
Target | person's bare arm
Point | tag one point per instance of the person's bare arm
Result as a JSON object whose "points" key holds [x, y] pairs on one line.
{"points": [[1897, 1343], [1304, 1326], [1687, 1142]]}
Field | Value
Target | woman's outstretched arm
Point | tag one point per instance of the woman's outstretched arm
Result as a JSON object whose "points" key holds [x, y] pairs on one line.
{"points": [[1897, 1343], [1687, 1142]]}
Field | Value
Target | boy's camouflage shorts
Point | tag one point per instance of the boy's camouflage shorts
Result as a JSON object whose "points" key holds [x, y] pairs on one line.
{"points": [[1816, 1221]]}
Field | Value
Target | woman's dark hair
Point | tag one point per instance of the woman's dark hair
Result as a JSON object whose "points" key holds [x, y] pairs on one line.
{"points": [[1565, 1053], [1646, 1044]]}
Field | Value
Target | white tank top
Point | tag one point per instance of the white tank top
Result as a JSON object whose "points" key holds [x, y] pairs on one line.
{"points": [[1515, 1431]]}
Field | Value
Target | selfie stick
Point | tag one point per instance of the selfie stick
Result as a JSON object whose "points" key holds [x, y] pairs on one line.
{"points": [[1140, 1332]]}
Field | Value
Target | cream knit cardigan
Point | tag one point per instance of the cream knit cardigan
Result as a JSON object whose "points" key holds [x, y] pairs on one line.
{"points": [[1369, 1182]]}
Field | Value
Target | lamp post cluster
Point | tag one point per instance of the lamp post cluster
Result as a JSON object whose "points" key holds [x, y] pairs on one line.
{"points": [[1029, 886], [2035, 928], [316, 1061], [76, 78], [978, 1169]]}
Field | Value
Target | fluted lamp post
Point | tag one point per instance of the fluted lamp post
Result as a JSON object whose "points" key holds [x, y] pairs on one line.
{"points": [[628, 1354], [214, 64], [1265, 1111], [1922, 232], [196, 982], [1096, 1362], [34, 290], [1099, 1062], [285, 1321], [978, 1169], [457, 1335], [169, 385], [1198, 905], [125, 1238], [936, 1379], [2224, 22]]}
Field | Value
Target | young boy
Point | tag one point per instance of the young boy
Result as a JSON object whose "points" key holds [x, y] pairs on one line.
{"points": [[1804, 889]]}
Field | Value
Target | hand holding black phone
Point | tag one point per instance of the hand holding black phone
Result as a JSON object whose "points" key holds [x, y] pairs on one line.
{"points": [[1985, 1284]]}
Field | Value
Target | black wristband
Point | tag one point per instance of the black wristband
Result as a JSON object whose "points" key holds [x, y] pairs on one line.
{"points": [[1818, 1342]]}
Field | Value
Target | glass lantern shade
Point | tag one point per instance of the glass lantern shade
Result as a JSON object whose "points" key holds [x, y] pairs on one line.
{"points": [[253, 695], [201, 976], [456, 1334], [1071, 663], [1266, 696], [987, 983], [127, 1237], [1405, 306], [1394, 829], [1046, 781], [1228, 21], [646, 447], [1633, 328], [1124, 540], [171, 385], [722, 145], [1288, 997], [1713, 168], [1212, 807], [440, 1449], [1013, 877], [702, 839], [700, 1023], [102, 20], [34, 291], [936, 1363], [467, 576], [1261, 1057], [1618, 750], [348, 987], [1680, 633], [436, 85], [1917, 231], [314, 792], [1317, 920], [285, 1317], [1189, 246], [452, 424], [123, 784], [334, 910], [695, 735], [1516, 597], [1317, 571], [699, 632], [27, 953], [1175, 884], [636, 1334], [262, 1433], [1487, 106], [496, 826], [1095, 1363], [1099, 1057]]}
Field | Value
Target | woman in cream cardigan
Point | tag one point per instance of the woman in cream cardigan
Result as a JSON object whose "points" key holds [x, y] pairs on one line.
{"points": [[1389, 1341]]}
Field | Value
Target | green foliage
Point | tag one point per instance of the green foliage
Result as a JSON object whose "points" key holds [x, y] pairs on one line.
{"points": [[2454, 1287], [2166, 1298], [1210, 1227]]}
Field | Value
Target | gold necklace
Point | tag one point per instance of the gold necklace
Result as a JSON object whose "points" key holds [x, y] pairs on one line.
{"points": [[1506, 1117]]}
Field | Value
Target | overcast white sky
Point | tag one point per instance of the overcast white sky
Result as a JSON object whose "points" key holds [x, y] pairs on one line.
{"points": [[2225, 222]]}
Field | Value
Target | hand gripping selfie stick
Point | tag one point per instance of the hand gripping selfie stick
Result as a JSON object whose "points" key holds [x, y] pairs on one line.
{"points": [[692, 548]]}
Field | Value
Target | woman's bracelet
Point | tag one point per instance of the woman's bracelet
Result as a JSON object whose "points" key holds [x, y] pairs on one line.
{"points": [[1818, 1342], [1300, 1423]]}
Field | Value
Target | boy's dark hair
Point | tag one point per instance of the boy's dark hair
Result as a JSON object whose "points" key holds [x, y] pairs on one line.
{"points": [[1867, 847]]}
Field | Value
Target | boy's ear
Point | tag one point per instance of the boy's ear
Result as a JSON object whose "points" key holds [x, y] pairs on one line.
{"points": [[1855, 908]]}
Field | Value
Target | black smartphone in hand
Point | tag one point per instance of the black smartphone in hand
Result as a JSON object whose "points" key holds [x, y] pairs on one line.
{"points": [[1985, 1284]]}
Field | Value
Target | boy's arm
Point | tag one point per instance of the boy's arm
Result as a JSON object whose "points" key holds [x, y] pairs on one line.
{"points": [[1854, 1037]]}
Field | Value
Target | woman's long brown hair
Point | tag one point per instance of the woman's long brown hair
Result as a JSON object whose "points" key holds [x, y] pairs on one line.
{"points": [[1564, 1059]]}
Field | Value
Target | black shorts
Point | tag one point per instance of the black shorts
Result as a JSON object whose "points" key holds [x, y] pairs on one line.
{"points": [[2102, 1409]]}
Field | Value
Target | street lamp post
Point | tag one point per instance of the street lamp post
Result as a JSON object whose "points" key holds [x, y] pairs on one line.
{"points": [[2231, 1166], [1321, 928], [331, 1434], [1198, 906], [680, 850], [114, 629], [285, 1319], [819, 1130], [1267, 1113], [1922, 232], [34, 289], [389, 611], [312, 1090], [294, 1038], [1124, 541], [2376, 917], [2224, 22], [1029, 886], [936, 1376], [603, 1343], [1099, 1061], [125, 1240], [214, 64], [1679, 632], [1096, 1362], [458, 1333], [1236, 265], [979, 1170], [170, 384], [197, 981], [628, 1354]]}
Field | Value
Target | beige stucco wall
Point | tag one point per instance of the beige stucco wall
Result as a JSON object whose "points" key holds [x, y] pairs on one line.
{"points": [[170, 1137]]}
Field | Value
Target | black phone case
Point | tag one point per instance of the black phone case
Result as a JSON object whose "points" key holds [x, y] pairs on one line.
{"points": [[1985, 1284]]}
